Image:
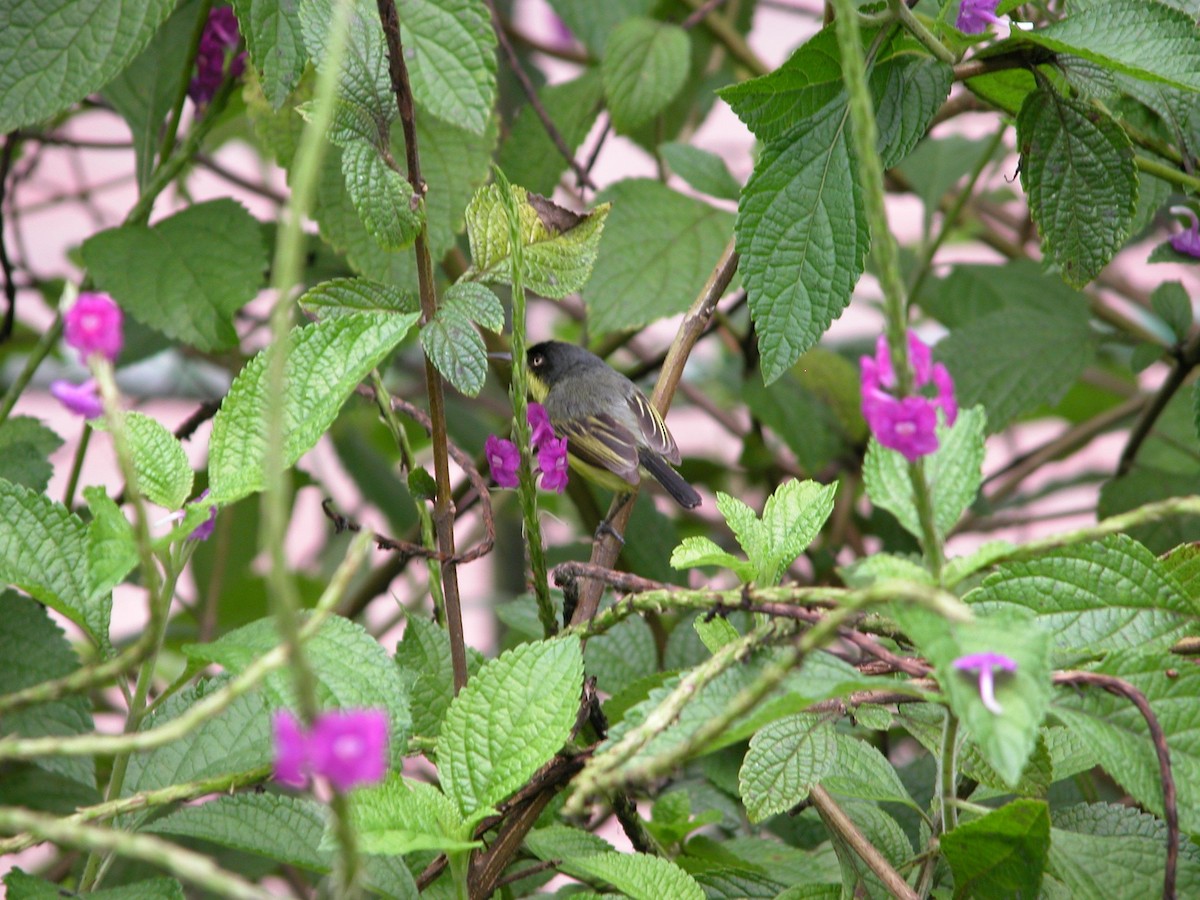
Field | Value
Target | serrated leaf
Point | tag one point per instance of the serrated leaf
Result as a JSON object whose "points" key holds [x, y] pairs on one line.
{"points": [[592, 23], [402, 816], [1006, 740], [559, 252], [509, 720], [636, 875], [364, 78], [1108, 594], [325, 363], [26, 887], [786, 758], [623, 655], [1116, 731], [275, 43], [1078, 170], [859, 769], [698, 550], [34, 649], [792, 517], [656, 251], [1001, 854], [1171, 303], [187, 275], [351, 668], [802, 236], [452, 62], [645, 65], [477, 303], [25, 448], [953, 472], [382, 196], [164, 475], [111, 544], [53, 55], [715, 632], [1143, 38], [703, 170], [454, 345], [881, 830], [424, 653], [342, 296], [43, 551]]}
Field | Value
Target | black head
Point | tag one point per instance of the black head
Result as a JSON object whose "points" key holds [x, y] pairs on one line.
{"points": [[551, 360]]}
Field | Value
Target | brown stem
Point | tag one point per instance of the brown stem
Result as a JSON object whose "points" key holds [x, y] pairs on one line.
{"points": [[535, 102], [1186, 360], [443, 507], [6, 266], [1123, 688], [606, 549], [843, 826]]}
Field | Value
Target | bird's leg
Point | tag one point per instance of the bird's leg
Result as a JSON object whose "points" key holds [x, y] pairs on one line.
{"points": [[605, 526]]}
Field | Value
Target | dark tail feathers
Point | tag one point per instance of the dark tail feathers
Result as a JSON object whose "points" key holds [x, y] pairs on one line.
{"points": [[682, 492]]}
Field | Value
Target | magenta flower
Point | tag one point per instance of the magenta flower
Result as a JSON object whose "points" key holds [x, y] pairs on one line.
{"points": [[552, 462], [539, 422], [907, 424], [216, 54], [348, 747], [975, 16], [204, 530], [93, 325], [503, 459], [80, 399], [1188, 240], [985, 665]]}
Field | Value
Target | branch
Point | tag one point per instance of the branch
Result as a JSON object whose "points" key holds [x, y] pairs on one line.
{"points": [[1186, 359], [843, 826]]}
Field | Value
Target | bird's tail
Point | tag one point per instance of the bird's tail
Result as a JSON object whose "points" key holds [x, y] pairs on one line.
{"points": [[682, 492]]}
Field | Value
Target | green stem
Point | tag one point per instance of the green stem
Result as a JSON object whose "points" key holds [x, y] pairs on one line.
{"points": [[1168, 173], [916, 28], [948, 773], [77, 465], [45, 344], [172, 129], [931, 540], [720, 28], [518, 391]]}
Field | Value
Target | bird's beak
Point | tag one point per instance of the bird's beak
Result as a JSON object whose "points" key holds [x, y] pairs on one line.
{"points": [[501, 356]]}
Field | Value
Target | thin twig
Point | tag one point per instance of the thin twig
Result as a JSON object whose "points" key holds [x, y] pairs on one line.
{"points": [[843, 826], [10, 287], [1186, 359], [1123, 688]]}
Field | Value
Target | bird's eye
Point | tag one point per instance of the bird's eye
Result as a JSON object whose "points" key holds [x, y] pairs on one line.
{"points": [[538, 361]]}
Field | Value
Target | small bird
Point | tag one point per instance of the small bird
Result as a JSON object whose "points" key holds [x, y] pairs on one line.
{"points": [[613, 433]]}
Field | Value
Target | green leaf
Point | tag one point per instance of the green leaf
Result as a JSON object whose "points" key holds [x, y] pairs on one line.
{"points": [[528, 155], [1002, 854], [27, 887], [1098, 845], [364, 79], [1171, 303], [146, 90], [383, 197], [187, 275], [1116, 731], [1108, 594], [509, 720], [451, 340], [352, 670], [52, 55], [34, 649], [1018, 338], [636, 875], [281, 827], [802, 236], [645, 65], [623, 655], [451, 51], [164, 475], [592, 22], [111, 544], [1006, 740], [1143, 38], [402, 816], [236, 739], [698, 550], [860, 770], [881, 830], [275, 43], [560, 246], [704, 171], [656, 252], [1077, 168], [715, 632], [953, 472], [786, 758], [43, 551], [424, 654], [792, 517], [346, 296], [938, 164], [25, 448], [325, 363]]}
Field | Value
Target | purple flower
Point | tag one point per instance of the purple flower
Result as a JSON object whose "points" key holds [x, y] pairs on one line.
{"points": [[93, 325], [539, 422], [552, 461], [974, 16], [503, 459], [985, 665], [1188, 240], [204, 530], [80, 399], [349, 747], [907, 424], [217, 43]]}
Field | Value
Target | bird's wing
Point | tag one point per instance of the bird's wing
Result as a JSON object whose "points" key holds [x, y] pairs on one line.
{"points": [[654, 429], [602, 442]]}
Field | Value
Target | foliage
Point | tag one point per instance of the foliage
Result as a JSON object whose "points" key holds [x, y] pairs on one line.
{"points": [[850, 672]]}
